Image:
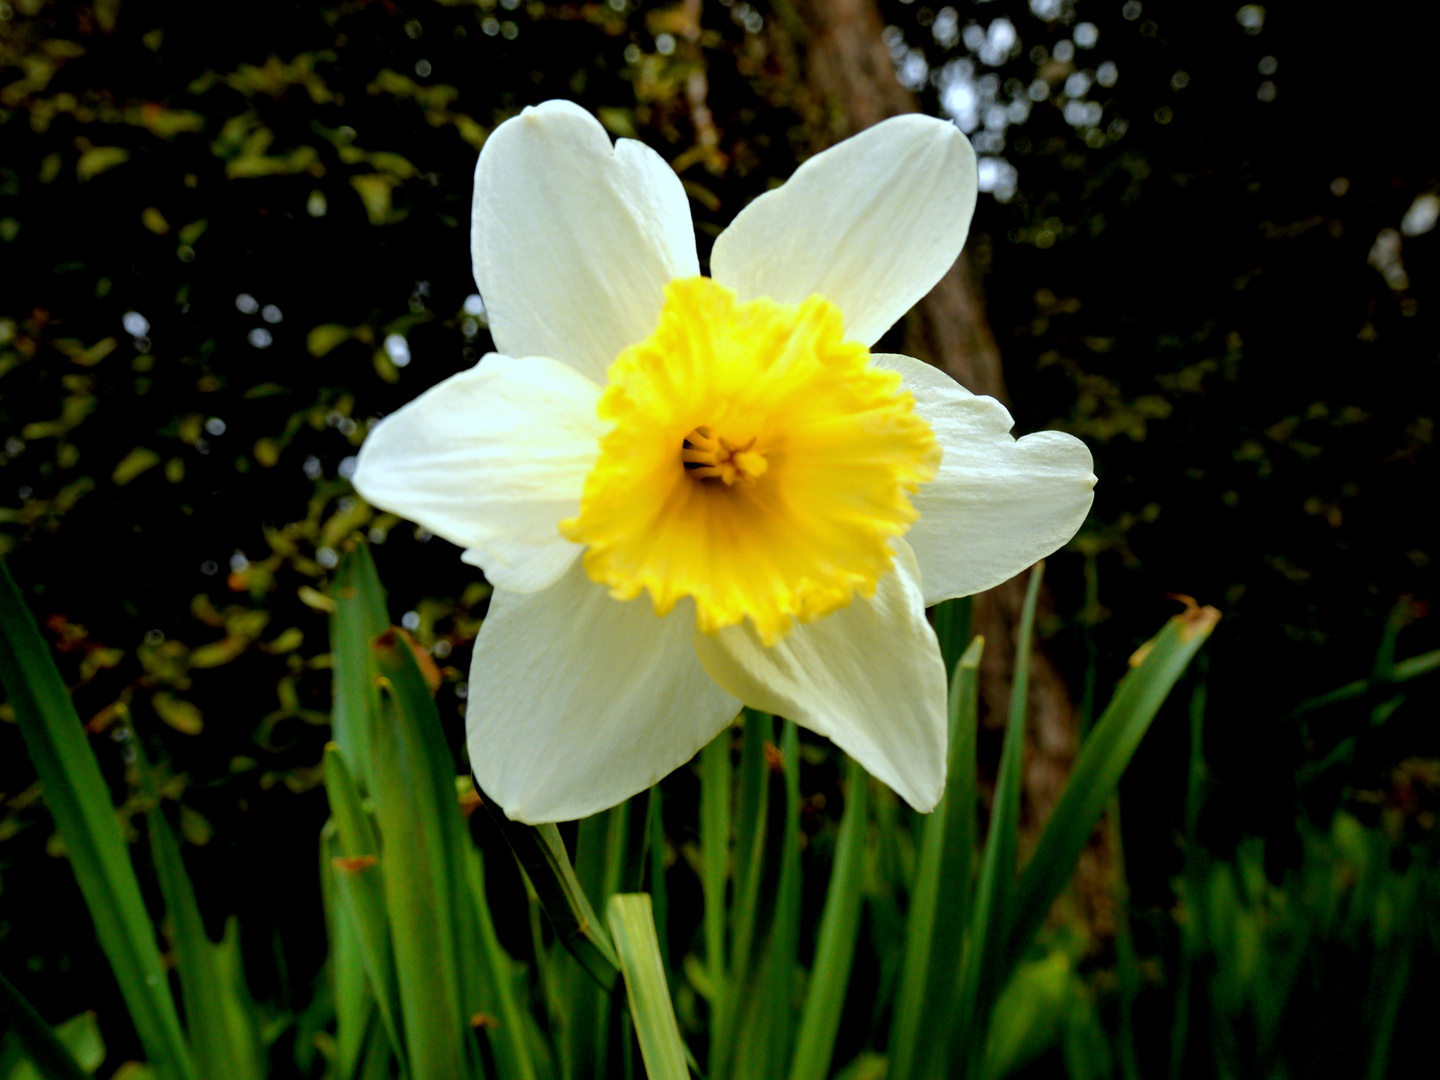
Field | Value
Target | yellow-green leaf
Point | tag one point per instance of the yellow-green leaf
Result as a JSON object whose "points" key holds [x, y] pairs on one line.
{"points": [[180, 714], [133, 464], [98, 159]]}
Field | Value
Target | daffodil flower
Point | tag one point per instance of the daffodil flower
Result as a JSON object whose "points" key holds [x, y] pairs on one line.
{"points": [[695, 492]]}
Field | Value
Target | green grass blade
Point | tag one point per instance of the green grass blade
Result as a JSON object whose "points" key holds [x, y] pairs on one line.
{"points": [[541, 853], [715, 782], [1194, 879], [376, 1056], [1097, 770], [587, 1035], [980, 977], [751, 829], [638, 949], [512, 1041], [659, 890], [78, 799], [360, 617], [759, 834], [220, 1046], [766, 989], [1127, 960], [839, 930], [37, 1038], [1403, 671], [952, 620], [357, 878], [940, 899], [354, 832], [751, 813], [1394, 978], [354, 1003], [411, 804], [592, 847], [782, 959]]}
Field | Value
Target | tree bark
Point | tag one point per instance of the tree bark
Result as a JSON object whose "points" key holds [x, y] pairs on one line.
{"points": [[845, 82]]}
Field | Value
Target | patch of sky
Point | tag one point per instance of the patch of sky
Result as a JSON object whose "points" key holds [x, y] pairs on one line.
{"points": [[398, 349], [1422, 216], [1000, 41], [946, 28]]}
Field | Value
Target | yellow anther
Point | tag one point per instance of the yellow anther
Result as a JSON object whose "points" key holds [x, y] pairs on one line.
{"points": [[707, 457]]}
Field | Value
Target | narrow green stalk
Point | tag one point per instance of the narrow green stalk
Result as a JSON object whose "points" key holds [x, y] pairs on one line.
{"points": [[981, 975], [952, 620], [751, 818], [783, 959], [1194, 877], [595, 1034], [1127, 964], [765, 987], [940, 899], [715, 781], [1089, 617], [659, 894], [835, 943], [1402, 671]]}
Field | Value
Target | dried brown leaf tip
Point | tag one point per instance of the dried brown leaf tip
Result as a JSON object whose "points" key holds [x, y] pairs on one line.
{"points": [[1196, 618], [470, 801], [422, 656], [354, 864]]}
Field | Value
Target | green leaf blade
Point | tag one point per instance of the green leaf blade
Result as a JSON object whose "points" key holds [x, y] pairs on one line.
{"points": [[1097, 770], [79, 800], [934, 944], [360, 617], [220, 1045], [981, 977], [38, 1040], [839, 930], [413, 793], [632, 926]]}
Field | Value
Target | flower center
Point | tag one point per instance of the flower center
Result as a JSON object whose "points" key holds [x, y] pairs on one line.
{"points": [[714, 457], [757, 463]]}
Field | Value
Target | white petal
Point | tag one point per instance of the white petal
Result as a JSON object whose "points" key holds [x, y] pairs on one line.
{"points": [[573, 240], [869, 677], [998, 504], [871, 224], [578, 701], [491, 459]]}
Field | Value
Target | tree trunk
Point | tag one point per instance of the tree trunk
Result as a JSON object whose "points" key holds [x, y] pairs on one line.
{"points": [[845, 82]]}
